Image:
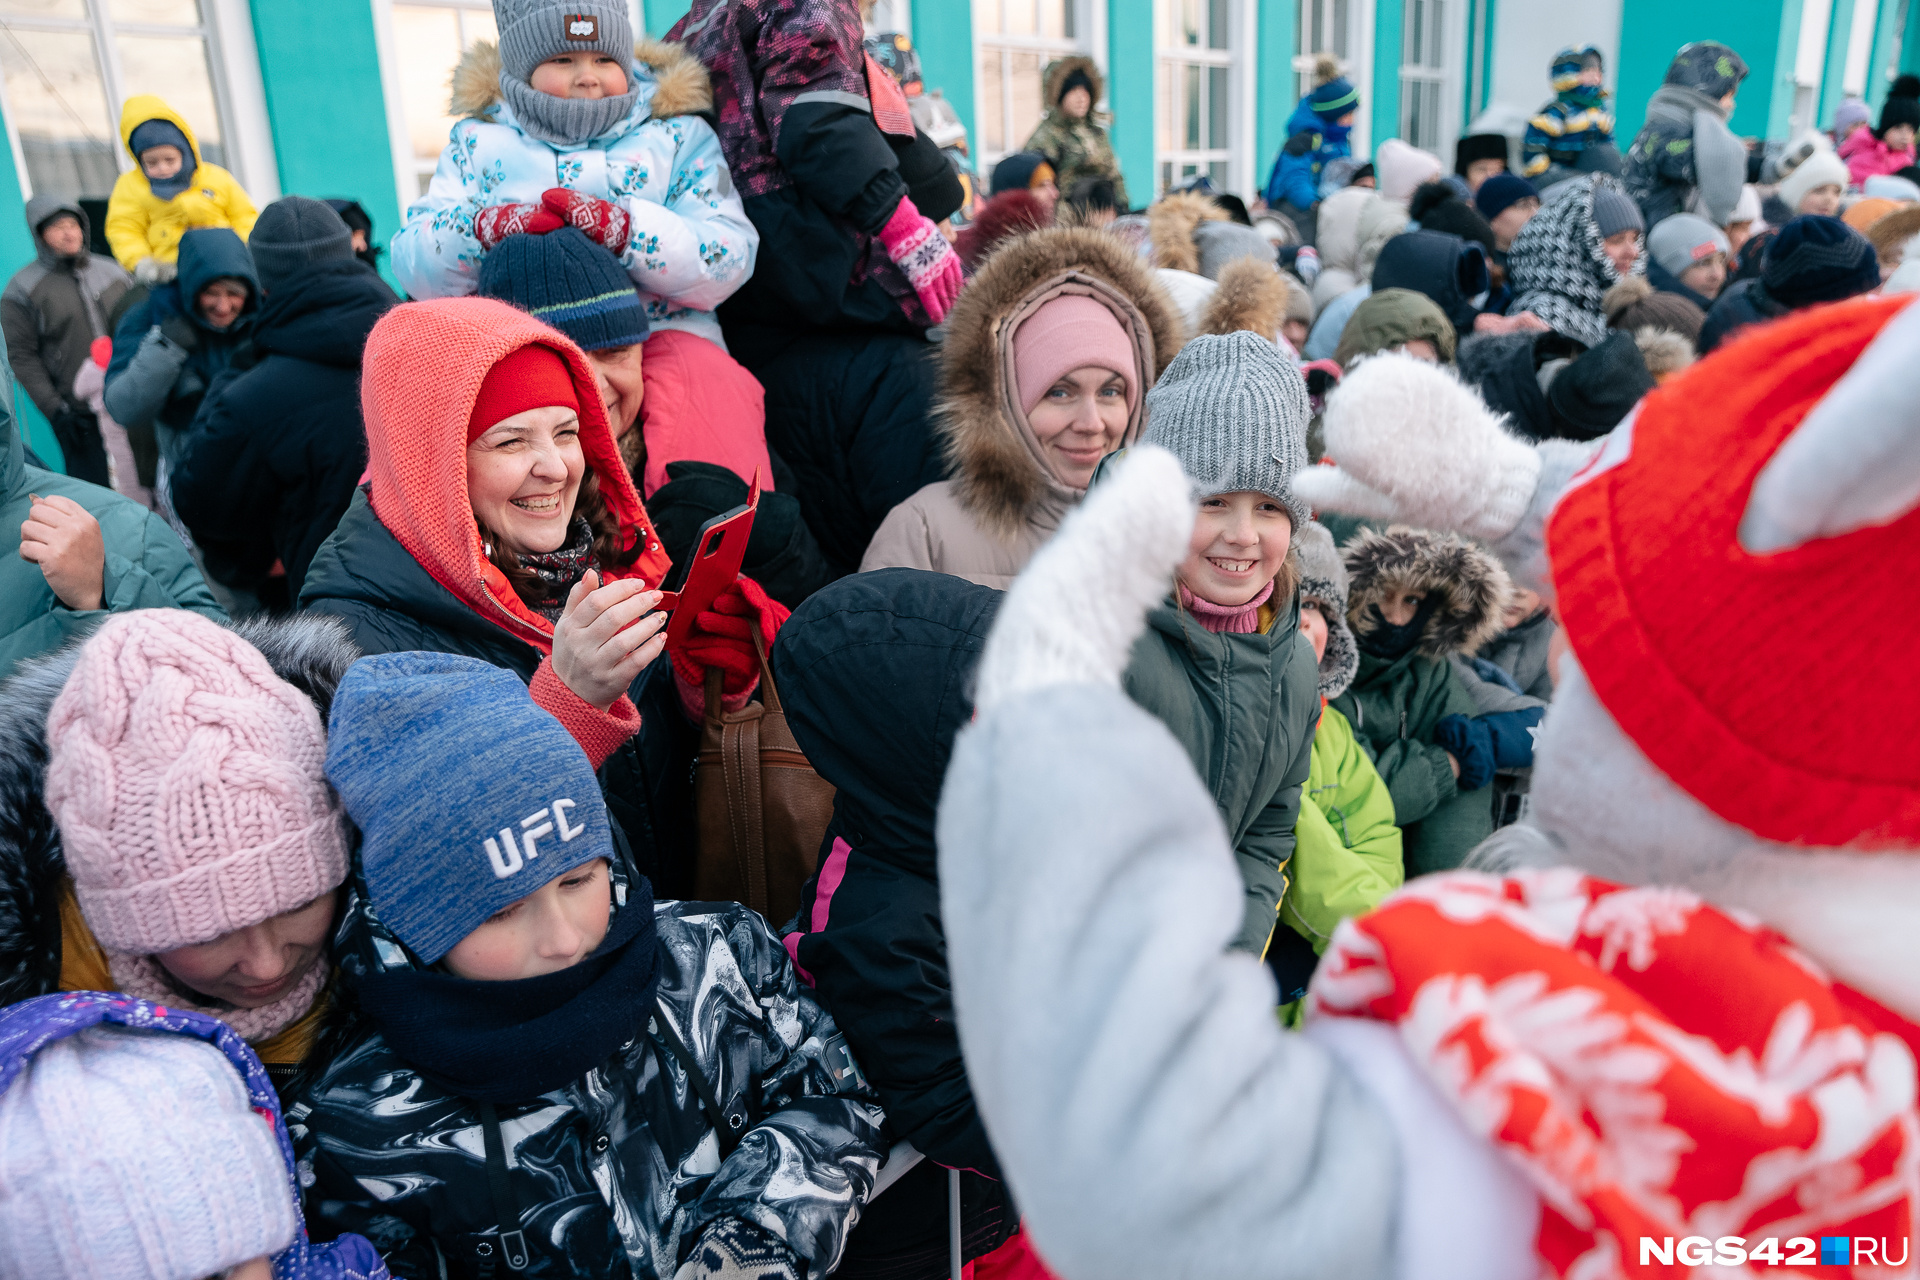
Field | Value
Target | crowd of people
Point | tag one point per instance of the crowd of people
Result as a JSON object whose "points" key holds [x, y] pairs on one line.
{"points": [[1179, 599]]}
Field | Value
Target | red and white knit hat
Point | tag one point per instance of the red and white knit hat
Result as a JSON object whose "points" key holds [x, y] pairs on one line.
{"points": [[1696, 640]]}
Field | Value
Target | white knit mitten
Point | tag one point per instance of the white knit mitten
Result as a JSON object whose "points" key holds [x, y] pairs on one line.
{"points": [[152, 271], [1413, 444], [1072, 616]]}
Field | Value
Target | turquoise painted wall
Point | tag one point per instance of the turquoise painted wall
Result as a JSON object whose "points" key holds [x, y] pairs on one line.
{"points": [[16, 251], [1763, 32], [1130, 91], [943, 37], [1278, 30], [1910, 41], [1388, 32], [1833, 68], [328, 115], [661, 14], [1886, 38]]}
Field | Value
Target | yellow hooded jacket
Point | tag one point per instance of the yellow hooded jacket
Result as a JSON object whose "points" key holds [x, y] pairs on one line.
{"points": [[141, 224]]}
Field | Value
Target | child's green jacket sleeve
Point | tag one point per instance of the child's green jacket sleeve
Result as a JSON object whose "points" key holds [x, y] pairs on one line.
{"points": [[1347, 853]]}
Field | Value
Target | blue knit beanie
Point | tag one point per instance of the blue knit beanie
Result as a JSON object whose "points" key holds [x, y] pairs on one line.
{"points": [[468, 796], [1500, 192], [1334, 99], [1814, 259], [566, 280]]}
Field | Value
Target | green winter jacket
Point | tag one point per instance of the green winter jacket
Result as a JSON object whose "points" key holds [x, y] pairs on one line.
{"points": [[1394, 706], [147, 567], [1346, 853], [1244, 707]]}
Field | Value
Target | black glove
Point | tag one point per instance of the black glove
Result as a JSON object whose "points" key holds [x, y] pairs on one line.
{"points": [[180, 331], [1471, 743]]}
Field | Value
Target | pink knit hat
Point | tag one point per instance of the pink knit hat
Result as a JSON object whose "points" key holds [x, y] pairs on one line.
{"points": [[188, 782], [1065, 334]]}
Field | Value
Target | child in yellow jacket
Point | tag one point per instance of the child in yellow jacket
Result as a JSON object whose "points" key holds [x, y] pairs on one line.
{"points": [[169, 191]]}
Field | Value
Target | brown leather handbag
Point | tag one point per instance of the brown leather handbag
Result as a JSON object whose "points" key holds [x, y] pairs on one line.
{"points": [[763, 811]]}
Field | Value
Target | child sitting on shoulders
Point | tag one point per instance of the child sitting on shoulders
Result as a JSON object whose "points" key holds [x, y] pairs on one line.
{"points": [[169, 191]]}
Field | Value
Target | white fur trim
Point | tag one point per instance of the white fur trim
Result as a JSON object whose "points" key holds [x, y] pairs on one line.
{"points": [[1412, 431], [1855, 459], [1072, 616]]}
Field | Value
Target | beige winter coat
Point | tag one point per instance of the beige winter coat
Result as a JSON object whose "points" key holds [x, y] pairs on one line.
{"points": [[1003, 501]]}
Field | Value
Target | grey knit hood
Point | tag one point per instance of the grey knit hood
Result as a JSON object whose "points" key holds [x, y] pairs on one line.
{"points": [[1234, 411]]}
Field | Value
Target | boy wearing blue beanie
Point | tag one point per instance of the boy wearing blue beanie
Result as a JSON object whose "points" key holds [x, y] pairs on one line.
{"points": [[539, 1064], [1317, 134]]}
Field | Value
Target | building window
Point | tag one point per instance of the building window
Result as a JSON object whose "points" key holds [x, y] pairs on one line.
{"points": [[67, 65], [1427, 62], [427, 39], [1344, 30], [1194, 116], [1015, 40]]}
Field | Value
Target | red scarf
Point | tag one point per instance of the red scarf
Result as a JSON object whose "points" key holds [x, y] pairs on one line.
{"points": [[1655, 1066]]}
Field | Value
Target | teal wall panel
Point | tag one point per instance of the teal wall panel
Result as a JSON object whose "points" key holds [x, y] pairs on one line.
{"points": [[1388, 31], [1909, 42], [943, 37], [1833, 67], [1278, 32], [661, 14], [1886, 43], [1130, 92], [328, 114], [1764, 32]]}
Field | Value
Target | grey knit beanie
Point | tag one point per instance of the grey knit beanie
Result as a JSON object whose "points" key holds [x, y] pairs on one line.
{"points": [[1323, 577], [531, 31], [123, 1149], [1234, 411], [1219, 243], [291, 234], [1614, 211]]}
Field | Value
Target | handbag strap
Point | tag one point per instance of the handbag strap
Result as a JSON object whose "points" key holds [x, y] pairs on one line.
{"points": [[728, 1126], [769, 696], [746, 820], [506, 1206]]}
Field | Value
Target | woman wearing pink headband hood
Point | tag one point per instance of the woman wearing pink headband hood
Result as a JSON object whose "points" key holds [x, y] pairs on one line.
{"points": [[1049, 354]]}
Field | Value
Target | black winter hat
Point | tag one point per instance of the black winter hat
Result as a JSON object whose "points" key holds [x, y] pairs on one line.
{"points": [[1436, 208], [1015, 172], [1076, 79], [1591, 395], [291, 234], [1445, 268], [566, 280], [1815, 259], [1479, 146], [1898, 109]]}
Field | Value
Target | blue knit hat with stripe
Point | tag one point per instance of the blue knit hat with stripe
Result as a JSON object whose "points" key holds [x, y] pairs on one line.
{"points": [[1334, 99], [566, 280]]}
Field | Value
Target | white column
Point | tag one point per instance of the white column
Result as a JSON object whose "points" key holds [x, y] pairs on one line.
{"points": [[250, 144]]}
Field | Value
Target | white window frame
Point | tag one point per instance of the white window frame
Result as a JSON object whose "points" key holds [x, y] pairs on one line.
{"points": [[1087, 15], [1445, 77], [408, 169], [1356, 65], [233, 66], [1242, 37]]}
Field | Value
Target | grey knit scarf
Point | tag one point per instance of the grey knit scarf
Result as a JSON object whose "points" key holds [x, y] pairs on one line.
{"points": [[565, 122]]}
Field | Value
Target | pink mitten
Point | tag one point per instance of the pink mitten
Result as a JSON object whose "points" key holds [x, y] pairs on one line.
{"points": [[917, 248], [603, 222]]}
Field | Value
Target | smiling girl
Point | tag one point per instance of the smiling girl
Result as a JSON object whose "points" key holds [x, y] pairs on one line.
{"points": [[1223, 662]]}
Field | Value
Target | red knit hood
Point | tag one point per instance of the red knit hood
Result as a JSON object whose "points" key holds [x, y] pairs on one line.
{"points": [[424, 365]]}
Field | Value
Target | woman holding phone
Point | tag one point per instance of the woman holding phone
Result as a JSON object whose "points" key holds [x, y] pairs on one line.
{"points": [[497, 521]]}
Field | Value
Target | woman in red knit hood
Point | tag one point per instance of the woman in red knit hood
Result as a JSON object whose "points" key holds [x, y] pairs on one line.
{"points": [[497, 521]]}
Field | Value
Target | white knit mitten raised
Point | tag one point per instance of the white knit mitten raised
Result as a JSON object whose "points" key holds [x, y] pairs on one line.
{"points": [[1414, 444], [1072, 616]]}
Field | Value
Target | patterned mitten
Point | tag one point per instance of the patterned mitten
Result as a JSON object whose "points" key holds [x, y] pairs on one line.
{"points": [[733, 1249], [603, 222], [917, 248], [494, 224], [1072, 616]]}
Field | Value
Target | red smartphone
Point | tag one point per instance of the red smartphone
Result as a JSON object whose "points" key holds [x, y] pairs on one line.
{"points": [[717, 556]]}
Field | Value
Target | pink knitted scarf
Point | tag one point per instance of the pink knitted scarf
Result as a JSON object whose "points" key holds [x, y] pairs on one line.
{"points": [[143, 977], [1234, 619]]}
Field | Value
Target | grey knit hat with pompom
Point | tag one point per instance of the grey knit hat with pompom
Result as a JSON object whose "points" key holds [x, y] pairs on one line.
{"points": [[1323, 577]]}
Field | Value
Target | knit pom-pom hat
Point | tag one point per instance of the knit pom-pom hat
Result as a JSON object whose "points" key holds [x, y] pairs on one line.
{"points": [[1323, 577], [188, 782]]}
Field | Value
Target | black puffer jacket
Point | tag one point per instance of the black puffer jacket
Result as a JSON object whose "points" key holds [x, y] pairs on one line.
{"points": [[1743, 303], [874, 672], [618, 1172], [312, 654], [391, 604], [272, 458]]}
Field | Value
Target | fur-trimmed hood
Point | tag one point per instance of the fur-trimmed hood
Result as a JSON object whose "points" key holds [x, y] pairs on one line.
{"points": [[1472, 586], [1249, 295], [1057, 73], [994, 473], [308, 651], [1170, 227], [680, 84]]}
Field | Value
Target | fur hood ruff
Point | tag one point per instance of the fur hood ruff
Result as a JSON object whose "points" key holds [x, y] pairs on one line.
{"points": [[310, 652], [1255, 296], [1170, 227], [1472, 585], [1057, 73], [681, 87], [994, 476]]}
